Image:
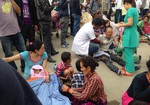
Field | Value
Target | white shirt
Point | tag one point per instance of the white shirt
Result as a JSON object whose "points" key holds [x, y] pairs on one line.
{"points": [[138, 4], [145, 4], [82, 39], [119, 4]]}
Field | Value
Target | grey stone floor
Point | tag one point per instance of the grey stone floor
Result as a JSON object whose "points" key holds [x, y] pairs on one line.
{"points": [[114, 85]]}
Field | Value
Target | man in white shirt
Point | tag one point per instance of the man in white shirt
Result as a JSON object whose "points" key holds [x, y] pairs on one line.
{"points": [[85, 42]]}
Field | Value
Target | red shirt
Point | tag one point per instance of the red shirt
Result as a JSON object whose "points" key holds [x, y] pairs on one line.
{"points": [[61, 68]]}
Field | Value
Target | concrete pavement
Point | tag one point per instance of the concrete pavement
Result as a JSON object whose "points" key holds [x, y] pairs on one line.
{"points": [[114, 85]]}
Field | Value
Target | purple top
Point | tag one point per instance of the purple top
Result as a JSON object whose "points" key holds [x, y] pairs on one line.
{"points": [[8, 20]]}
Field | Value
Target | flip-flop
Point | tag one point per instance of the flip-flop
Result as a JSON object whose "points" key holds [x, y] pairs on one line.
{"points": [[125, 74]]}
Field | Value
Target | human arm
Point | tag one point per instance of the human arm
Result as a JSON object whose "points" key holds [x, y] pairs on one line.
{"points": [[89, 90], [129, 23], [141, 89], [45, 70], [16, 7], [12, 58]]}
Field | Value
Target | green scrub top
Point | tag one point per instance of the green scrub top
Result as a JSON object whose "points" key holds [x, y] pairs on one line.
{"points": [[131, 35]]}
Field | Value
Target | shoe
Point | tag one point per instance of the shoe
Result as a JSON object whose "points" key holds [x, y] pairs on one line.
{"points": [[127, 74], [139, 61], [65, 45], [80, 56], [137, 67], [54, 53], [51, 60], [119, 72]]}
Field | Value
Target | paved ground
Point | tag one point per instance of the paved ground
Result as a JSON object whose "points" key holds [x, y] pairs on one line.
{"points": [[114, 85]]}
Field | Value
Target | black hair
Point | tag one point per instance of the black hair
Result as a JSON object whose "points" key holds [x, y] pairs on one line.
{"points": [[132, 2], [145, 16], [35, 45], [148, 64], [78, 65], [65, 56], [136, 102], [98, 22], [89, 61]]}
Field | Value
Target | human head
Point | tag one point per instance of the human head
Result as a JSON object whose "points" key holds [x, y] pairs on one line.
{"points": [[98, 14], [148, 65], [107, 23], [135, 102], [88, 64], [129, 3], [66, 57], [146, 18], [37, 46], [109, 32], [78, 65], [37, 71], [98, 23]]}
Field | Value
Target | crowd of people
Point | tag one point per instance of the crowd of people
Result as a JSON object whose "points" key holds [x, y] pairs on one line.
{"points": [[94, 41]]}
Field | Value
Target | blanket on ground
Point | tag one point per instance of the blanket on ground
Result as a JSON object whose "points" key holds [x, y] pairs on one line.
{"points": [[48, 93]]}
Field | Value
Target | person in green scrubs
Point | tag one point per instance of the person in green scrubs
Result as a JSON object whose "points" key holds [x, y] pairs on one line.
{"points": [[130, 39]]}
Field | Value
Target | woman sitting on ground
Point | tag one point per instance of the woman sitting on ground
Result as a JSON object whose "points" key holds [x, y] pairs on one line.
{"points": [[139, 88], [35, 55], [92, 93]]}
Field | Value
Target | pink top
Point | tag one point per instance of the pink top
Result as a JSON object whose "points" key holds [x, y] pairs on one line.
{"points": [[41, 74]]}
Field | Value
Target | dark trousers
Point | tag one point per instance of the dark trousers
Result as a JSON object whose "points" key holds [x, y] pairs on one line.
{"points": [[118, 15], [117, 60], [110, 65], [28, 33], [7, 43], [47, 38]]}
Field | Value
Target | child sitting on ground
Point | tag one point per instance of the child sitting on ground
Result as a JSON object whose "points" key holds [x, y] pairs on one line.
{"points": [[78, 78], [64, 69]]}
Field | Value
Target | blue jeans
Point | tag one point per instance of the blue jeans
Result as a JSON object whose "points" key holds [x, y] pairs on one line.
{"points": [[7, 43], [93, 48], [76, 23]]}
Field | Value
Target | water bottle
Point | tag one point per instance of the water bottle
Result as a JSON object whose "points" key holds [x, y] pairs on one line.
{"points": [[54, 68]]}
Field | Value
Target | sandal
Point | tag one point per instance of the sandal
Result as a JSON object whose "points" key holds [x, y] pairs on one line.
{"points": [[126, 74]]}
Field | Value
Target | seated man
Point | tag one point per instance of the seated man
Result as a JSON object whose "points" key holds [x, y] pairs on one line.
{"points": [[105, 53], [85, 42]]}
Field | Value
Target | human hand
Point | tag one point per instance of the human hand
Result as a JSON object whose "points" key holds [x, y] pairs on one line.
{"points": [[101, 42], [64, 88], [118, 25], [121, 22], [47, 78], [35, 27]]}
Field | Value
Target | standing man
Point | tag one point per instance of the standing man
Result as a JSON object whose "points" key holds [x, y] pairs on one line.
{"points": [[64, 20], [9, 29], [44, 8], [28, 19], [76, 15]]}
